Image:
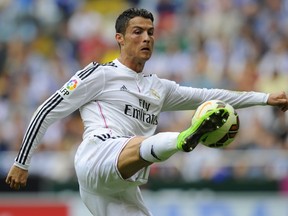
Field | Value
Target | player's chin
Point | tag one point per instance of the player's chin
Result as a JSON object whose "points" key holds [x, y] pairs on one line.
{"points": [[146, 56]]}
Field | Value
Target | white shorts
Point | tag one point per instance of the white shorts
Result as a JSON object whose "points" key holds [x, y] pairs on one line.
{"points": [[102, 188]]}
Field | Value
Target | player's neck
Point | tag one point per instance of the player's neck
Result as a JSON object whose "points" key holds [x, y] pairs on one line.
{"points": [[133, 64]]}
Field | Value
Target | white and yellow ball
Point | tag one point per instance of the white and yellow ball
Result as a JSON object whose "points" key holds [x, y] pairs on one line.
{"points": [[224, 135]]}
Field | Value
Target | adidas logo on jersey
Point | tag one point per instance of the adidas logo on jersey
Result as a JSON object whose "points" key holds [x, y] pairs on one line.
{"points": [[123, 88]]}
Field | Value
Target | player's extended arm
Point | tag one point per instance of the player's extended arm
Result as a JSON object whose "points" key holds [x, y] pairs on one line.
{"points": [[17, 177], [278, 99]]}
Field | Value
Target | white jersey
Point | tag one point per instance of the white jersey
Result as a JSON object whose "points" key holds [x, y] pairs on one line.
{"points": [[116, 100]]}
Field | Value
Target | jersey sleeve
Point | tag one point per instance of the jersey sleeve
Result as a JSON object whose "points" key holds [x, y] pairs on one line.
{"points": [[76, 92], [185, 98]]}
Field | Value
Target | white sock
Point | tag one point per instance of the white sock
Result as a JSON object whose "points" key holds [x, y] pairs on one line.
{"points": [[159, 147]]}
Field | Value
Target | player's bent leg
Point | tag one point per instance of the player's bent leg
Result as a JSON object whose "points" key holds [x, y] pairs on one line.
{"points": [[141, 152], [129, 161]]}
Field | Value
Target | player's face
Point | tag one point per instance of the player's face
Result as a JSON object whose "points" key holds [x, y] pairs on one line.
{"points": [[138, 41]]}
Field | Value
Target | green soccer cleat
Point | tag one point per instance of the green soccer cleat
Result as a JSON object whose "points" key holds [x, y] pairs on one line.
{"points": [[212, 120]]}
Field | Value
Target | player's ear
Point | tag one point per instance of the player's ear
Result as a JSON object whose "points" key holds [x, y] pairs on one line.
{"points": [[119, 38]]}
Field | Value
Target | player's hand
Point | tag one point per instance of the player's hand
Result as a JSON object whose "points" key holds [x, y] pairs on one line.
{"points": [[278, 99], [17, 177]]}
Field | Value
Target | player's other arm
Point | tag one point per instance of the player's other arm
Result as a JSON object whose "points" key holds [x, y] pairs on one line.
{"points": [[183, 98], [80, 89], [50, 111]]}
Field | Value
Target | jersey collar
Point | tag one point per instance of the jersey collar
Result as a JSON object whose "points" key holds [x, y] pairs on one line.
{"points": [[126, 69]]}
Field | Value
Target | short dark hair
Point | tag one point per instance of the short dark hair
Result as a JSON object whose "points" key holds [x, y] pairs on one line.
{"points": [[125, 16]]}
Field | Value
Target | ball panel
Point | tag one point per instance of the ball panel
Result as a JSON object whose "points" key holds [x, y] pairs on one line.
{"points": [[207, 106]]}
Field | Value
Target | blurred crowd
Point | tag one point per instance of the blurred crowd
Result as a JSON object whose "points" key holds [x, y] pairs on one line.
{"points": [[240, 45]]}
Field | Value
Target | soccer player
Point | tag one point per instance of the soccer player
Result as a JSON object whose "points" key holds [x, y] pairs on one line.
{"points": [[120, 106]]}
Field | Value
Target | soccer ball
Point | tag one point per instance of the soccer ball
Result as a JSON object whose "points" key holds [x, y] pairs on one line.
{"points": [[224, 135]]}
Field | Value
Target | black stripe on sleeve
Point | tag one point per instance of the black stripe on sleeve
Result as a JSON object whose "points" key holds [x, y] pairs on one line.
{"points": [[35, 125], [85, 73]]}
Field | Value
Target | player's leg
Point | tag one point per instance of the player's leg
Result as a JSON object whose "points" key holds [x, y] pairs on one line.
{"points": [[141, 152], [128, 202], [129, 161], [102, 189]]}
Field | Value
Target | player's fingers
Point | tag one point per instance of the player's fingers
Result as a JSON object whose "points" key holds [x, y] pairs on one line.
{"points": [[282, 104], [14, 184], [282, 101], [8, 180], [284, 108], [16, 187], [23, 184]]}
